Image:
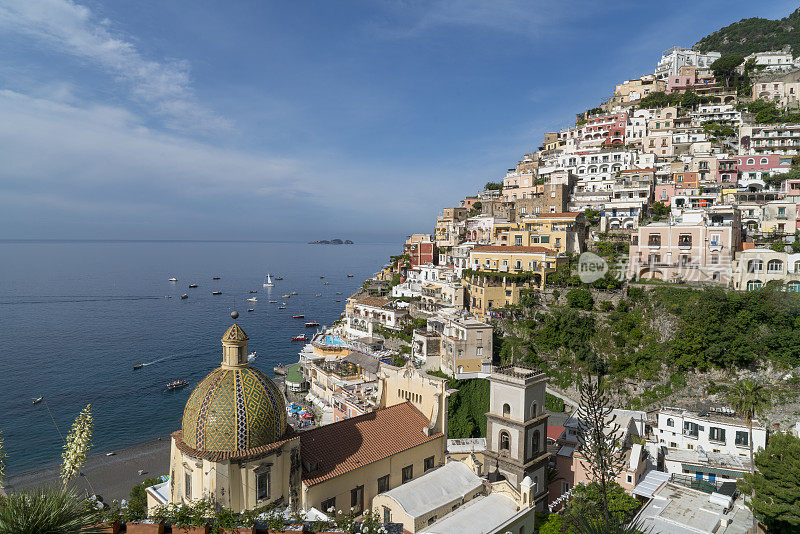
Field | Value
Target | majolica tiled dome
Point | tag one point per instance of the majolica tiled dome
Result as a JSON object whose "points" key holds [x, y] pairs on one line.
{"points": [[234, 409]]}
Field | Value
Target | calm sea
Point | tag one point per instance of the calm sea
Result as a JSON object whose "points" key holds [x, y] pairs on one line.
{"points": [[75, 317]]}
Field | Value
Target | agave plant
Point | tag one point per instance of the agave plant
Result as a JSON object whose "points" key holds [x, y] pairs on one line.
{"points": [[47, 510]]}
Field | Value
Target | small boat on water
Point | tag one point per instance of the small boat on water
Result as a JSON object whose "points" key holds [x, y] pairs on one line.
{"points": [[318, 295], [173, 279], [192, 286], [286, 296], [326, 283], [282, 307], [273, 302], [337, 301], [216, 292], [312, 324], [278, 278], [322, 277], [184, 296], [167, 296], [253, 291], [299, 316], [268, 281], [293, 293], [252, 356], [37, 401], [338, 292], [301, 337], [349, 276], [177, 384], [138, 366], [252, 299], [251, 309], [215, 278]]}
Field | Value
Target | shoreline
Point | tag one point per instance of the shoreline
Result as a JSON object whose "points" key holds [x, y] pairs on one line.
{"points": [[111, 477]]}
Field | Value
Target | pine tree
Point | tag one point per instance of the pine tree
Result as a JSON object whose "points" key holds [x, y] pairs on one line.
{"points": [[600, 436]]}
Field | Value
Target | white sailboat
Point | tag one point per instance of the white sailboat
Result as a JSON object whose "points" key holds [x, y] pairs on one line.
{"points": [[268, 283]]}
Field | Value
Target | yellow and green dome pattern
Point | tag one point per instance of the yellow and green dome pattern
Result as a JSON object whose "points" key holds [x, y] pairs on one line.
{"points": [[234, 410]]}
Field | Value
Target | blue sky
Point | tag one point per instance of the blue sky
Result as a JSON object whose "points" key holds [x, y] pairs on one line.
{"points": [[298, 120]]}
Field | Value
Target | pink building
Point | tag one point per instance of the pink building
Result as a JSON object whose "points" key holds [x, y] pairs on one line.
{"points": [[689, 79], [762, 162], [610, 127], [728, 171]]}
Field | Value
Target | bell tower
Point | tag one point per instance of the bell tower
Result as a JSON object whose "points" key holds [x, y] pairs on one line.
{"points": [[234, 345], [516, 430]]}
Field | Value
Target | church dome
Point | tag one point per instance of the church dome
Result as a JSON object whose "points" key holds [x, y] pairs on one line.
{"points": [[234, 409]]}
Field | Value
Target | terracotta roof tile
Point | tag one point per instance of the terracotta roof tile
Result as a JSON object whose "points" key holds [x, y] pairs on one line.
{"points": [[347, 445], [377, 302], [510, 249]]}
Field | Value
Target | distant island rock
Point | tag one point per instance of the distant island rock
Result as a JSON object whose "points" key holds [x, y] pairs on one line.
{"points": [[331, 242]]}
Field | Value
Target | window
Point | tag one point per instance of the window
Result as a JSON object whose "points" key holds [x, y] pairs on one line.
{"points": [[357, 499], [690, 429], [535, 442], [428, 463], [408, 473], [742, 438], [187, 483], [764, 161], [506, 410], [262, 483], [670, 422], [479, 351], [654, 240], [774, 266], [685, 240], [714, 259], [431, 520], [751, 161], [716, 434], [505, 441], [754, 285], [518, 240], [387, 515], [755, 266], [329, 505], [383, 484]]}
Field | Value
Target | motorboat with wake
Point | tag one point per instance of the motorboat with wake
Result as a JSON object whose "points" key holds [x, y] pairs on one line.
{"points": [[252, 356], [138, 366], [252, 299], [268, 282], [38, 400], [173, 279], [177, 384], [184, 296], [298, 316], [301, 337], [312, 324], [216, 292]]}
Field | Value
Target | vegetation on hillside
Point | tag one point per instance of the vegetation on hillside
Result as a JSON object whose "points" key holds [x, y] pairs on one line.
{"points": [[466, 409], [754, 35]]}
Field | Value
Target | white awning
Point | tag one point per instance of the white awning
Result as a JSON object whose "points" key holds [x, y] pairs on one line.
{"points": [[650, 483]]}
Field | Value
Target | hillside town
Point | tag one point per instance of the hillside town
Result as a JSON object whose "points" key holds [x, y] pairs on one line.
{"points": [[601, 339], [680, 176]]}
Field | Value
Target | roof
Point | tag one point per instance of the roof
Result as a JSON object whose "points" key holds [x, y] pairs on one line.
{"points": [[218, 456], [559, 215], [511, 249], [483, 514], [464, 445], [234, 333], [293, 373], [554, 431], [435, 489], [365, 361], [376, 302], [350, 444], [650, 483]]}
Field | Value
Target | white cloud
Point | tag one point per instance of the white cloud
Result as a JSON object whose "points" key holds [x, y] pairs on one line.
{"points": [[72, 29]]}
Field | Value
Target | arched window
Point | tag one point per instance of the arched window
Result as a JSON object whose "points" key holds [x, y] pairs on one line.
{"points": [[764, 161], [534, 411], [793, 287], [751, 161], [775, 266], [755, 266], [505, 441], [506, 410], [754, 285], [797, 266], [670, 422], [535, 444]]}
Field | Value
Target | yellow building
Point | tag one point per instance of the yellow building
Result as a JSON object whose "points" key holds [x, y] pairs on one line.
{"points": [[498, 275], [559, 232]]}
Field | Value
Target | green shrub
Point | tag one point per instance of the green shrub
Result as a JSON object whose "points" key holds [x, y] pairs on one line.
{"points": [[580, 299]]}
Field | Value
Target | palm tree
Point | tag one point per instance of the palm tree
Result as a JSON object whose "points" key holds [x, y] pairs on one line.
{"points": [[49, 510], [749, 398]]}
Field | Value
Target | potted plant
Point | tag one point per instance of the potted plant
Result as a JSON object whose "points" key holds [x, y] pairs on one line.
{"points": [[110, 518], [190, 518], [137, 522], [229, 522]]}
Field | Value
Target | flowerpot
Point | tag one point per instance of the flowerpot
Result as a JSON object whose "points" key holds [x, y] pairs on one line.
{"points": [[144, 528], [204, 529], [110, 527], [239, 530]]}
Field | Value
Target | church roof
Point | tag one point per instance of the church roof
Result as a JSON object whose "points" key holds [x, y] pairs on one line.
{"points": [[234, 409], [347, 445], [436, 488], [234, 333]]}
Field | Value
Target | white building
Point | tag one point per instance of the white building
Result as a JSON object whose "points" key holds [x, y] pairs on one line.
{"points": [[772, 60], [723, 113], [715, 430], [676, 57], [365, 314]]}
